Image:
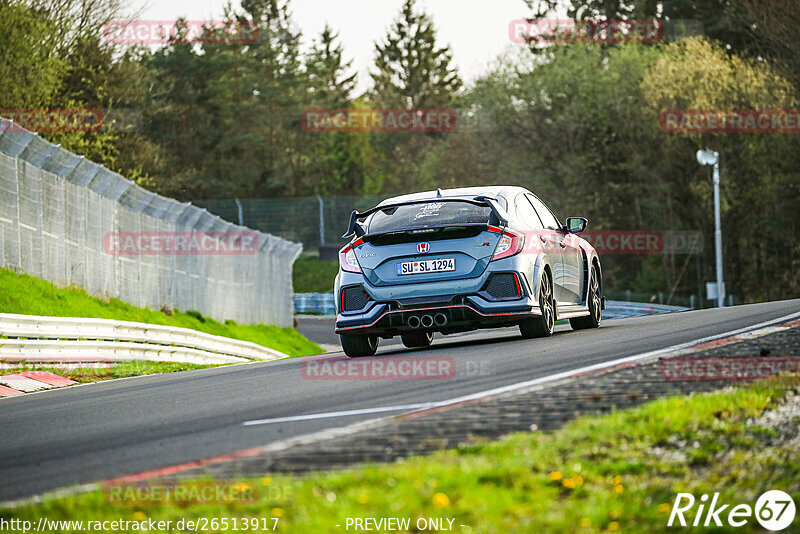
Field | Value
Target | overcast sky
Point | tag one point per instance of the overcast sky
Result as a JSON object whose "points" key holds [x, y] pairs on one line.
{"points": [[476, 30]]}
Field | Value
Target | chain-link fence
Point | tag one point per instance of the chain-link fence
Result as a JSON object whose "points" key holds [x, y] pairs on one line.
{"points": [[295, 218], [59, 212]]}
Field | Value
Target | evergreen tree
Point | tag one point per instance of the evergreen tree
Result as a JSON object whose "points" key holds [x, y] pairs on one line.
{"points": [[334, 160], [412, 71], [326, 69]]}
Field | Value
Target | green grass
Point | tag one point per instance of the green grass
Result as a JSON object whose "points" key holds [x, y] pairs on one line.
{"points": [[313, 275], [24, 294], [118, 370], [596, 474]]}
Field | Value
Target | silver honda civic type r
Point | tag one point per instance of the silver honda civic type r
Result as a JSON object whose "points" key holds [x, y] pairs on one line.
{"points": [[456, 260]]}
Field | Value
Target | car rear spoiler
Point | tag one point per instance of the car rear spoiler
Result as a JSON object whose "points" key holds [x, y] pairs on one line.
{"points": [[499, 214]]}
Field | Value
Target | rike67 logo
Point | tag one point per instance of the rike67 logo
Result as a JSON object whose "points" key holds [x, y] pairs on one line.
{"points": [[774, 510]]}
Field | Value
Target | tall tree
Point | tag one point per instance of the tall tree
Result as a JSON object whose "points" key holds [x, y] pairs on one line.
{"points": [[328, 78], [412, 71], [760, 29], [334, 161], [31, 71]]}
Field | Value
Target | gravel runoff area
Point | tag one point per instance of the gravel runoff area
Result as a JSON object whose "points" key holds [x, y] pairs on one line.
{"points": [[543, 408]]}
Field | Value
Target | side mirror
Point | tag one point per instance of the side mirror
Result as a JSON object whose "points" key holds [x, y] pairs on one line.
{"points": [[576, 225]]}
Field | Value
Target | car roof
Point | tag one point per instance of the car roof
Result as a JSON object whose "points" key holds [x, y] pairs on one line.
{"points": [[505, 191]]}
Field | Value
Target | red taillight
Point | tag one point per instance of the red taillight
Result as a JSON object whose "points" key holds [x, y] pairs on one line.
{"points": [[510, 243], [347, 257]]}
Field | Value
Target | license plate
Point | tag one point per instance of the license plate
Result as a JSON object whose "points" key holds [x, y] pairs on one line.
{"points": [[426, 266]]}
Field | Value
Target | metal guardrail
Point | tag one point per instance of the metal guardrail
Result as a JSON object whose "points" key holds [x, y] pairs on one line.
{"points": [[315, 303], [38, 338], [324, 304], [618, 309]]}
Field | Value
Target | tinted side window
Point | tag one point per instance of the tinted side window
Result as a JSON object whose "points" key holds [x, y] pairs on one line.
{"points": [[527, 213], [548, 219]]}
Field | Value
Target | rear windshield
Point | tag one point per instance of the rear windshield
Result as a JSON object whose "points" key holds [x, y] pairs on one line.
{"points": [[428, 215]]}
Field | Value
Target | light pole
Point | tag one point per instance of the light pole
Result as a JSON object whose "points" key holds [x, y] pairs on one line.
{"points": [[711, 157]]}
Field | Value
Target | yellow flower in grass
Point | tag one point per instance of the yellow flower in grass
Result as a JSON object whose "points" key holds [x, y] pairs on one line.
{"points": [[362, 498], [441, 500], [585, 522], [277, 512], [266, 481], [139, 516], [664, 507], [613, 526], [242, 487], [618, 488], [573, 481], [555, 475], [617, 480]]}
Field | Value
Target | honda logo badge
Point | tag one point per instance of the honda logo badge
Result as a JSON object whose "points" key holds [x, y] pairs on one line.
{"points": [[423, 247]]}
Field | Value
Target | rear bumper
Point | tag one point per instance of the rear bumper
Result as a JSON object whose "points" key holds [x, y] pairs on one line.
{"points": [[462, 312]]}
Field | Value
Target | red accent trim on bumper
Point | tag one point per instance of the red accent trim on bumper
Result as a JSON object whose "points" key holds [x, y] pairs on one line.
{"points": [[384, 314]]}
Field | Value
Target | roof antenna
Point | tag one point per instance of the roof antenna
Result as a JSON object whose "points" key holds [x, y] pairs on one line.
{"points": [[438, 192]]}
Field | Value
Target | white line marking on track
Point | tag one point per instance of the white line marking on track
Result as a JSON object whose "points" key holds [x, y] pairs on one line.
{"points": [[410, 408], [291, 419]]}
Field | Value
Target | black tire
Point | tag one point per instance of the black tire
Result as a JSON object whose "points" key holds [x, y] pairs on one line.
{"points": [[356, 346], [541, 326], [414, 340], [593, 298]]}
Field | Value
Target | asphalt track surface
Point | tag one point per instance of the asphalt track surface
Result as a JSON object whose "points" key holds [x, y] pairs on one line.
{"points": [[104, 430]]}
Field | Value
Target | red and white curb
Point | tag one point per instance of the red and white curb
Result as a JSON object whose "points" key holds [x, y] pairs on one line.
{"points": [[29, 381]]}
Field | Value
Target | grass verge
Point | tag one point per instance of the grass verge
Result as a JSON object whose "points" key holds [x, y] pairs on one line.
{"points": [[24, 294], [313, 275], [618, 472], [85, 374]]}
